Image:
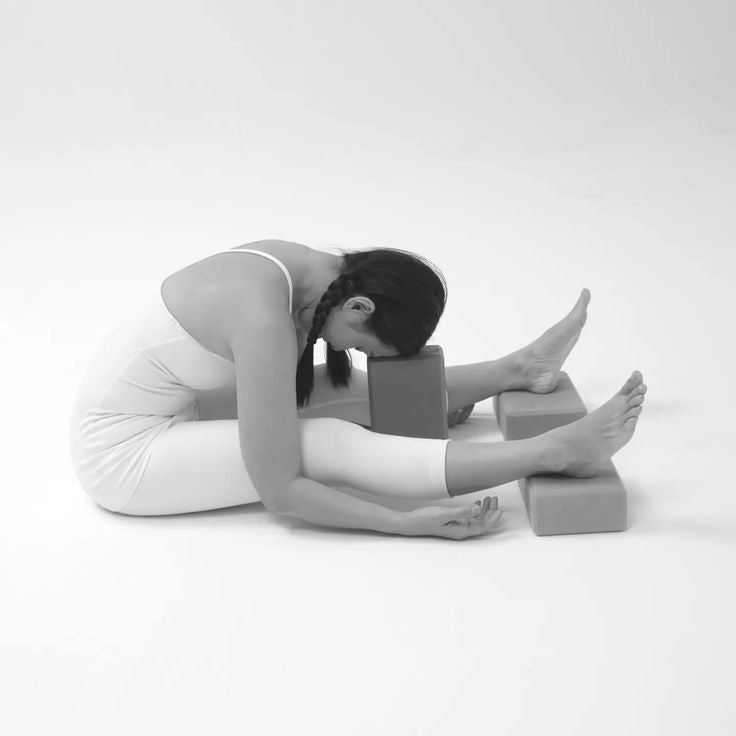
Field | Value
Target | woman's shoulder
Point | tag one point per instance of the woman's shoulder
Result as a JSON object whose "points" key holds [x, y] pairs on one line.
{"points": [[294, 257], [227, 272], [204, 295], [284, 250]]}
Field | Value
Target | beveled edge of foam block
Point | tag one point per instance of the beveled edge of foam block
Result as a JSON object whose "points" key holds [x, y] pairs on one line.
{"points": [[564, 397], [554, 484], [425, 353]]}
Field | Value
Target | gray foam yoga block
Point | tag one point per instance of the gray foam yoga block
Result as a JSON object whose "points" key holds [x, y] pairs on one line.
{"points": [[408, 396], [523, 414], [560, 504]]}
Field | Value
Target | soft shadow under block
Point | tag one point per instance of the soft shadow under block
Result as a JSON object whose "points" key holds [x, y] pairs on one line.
{"points": [[559, 504], [408, 396]]}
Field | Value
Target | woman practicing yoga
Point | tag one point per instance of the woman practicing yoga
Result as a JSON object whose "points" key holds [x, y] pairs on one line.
{"points": [[207, 397]]}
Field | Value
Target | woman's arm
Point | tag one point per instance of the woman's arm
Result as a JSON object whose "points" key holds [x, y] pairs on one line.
{"points": [[320, 504], [255, 321], [252, 311]]}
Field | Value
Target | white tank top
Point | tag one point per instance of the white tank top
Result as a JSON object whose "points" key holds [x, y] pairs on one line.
{"points": [[194, 365], [272, 258]]}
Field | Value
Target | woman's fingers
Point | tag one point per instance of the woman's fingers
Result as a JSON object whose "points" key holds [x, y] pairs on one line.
{"points": [[476, 512], [490, 503], [477, 519]]}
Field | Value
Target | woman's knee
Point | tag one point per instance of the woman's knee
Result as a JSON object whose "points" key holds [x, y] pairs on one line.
{"points": [[325, 442], [321, 434]]}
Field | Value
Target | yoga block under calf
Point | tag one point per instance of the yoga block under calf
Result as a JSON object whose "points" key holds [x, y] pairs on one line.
{"points": [[558, 504], [523, 414], [408, 396]]}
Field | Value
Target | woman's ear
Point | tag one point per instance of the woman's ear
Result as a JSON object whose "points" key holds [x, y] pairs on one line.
{"points": [[360, 303]]}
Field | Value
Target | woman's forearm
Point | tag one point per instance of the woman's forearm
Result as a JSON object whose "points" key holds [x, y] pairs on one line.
{"points": [[320, 504]]}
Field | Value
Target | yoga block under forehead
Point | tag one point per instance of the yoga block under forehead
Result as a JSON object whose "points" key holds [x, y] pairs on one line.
{"points": [[523, 414], [408, 396], [559, 504]]}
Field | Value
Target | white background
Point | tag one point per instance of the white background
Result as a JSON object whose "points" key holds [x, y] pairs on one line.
{"points": [[529, 149]]}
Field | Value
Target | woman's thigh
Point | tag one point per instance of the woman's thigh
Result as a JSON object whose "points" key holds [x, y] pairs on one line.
{"points": [[350, 403], [193, 466], [198, 465]]}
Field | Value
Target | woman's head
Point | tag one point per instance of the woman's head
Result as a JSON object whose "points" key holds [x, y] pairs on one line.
{"points": [[384, 301], [346, 327]]}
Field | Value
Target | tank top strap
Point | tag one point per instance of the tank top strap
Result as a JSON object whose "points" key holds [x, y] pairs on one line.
{"points": [[276, 261]]}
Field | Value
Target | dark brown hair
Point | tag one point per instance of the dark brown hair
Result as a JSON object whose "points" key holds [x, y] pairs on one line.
{"points": [[409, 293]]}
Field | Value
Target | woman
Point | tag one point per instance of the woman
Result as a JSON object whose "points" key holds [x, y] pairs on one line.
{"points": [[192, 403]]}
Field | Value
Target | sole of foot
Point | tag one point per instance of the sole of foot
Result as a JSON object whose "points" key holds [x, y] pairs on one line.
{"points": [[582, 447], [543, 359]]}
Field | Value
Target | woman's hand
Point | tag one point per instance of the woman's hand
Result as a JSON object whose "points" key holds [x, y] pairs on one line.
{"points": [[456, 522]]}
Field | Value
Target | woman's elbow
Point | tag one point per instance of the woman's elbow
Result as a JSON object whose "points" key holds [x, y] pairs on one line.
{"points": [[275, 497]]}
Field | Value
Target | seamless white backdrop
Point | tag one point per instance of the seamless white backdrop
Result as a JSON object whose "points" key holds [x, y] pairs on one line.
{"points": [[529, 150]]}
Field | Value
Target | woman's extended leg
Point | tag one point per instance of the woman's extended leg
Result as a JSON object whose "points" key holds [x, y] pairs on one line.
{"points": [[465, 383], [195, 465], [534, 367], [348, 403]]}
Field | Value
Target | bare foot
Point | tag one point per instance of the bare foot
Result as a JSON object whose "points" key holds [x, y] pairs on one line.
{"points": [[542, 360], [582, 447]]}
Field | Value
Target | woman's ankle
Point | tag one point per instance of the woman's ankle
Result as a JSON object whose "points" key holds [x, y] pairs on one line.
{"points": [[551, 454]]}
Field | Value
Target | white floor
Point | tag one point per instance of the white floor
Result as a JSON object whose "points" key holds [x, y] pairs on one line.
{"points": [[237, 621]]}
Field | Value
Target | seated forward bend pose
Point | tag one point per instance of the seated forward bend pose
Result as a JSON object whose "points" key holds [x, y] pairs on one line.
{"points": [[208, 397]]}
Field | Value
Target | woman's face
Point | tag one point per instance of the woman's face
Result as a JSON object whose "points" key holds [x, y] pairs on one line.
{"points": [[345, 328]]}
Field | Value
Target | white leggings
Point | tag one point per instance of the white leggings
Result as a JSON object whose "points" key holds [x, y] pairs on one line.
{"points": [[145, 441], [197, 464]]}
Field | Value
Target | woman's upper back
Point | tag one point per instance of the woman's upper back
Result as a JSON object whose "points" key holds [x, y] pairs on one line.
{"points": [[200, 294]]}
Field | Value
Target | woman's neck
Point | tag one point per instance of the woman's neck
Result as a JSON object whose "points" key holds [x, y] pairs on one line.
{"points": [[321, 270]]}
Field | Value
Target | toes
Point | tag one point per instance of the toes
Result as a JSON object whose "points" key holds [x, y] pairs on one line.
{"points": [[634, 380], [627, 386], [633, 412], [582, 302], [637, 396], [630, 424]]}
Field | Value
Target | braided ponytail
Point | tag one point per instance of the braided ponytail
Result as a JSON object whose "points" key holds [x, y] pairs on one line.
{"points": [[339, 364]]}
